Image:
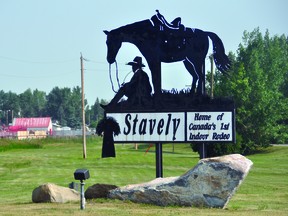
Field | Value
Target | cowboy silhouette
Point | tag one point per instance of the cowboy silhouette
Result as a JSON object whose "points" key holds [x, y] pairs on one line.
{"points": [[138, 90]]}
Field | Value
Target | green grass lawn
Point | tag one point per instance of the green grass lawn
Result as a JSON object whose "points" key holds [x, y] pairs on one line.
{"points": [[24, 165]]}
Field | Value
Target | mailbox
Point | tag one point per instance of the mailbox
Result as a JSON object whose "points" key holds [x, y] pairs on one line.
{"points": [[81, 174]]}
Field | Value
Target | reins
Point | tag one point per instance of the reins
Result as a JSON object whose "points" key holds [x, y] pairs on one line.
{"points": [[126, 76], [117, 77]]}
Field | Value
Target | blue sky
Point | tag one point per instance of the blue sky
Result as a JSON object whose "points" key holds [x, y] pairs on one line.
{"points": [[41, 41]]}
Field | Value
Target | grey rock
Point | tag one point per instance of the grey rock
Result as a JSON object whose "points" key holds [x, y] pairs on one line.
{"points": [[211, 183], [98, 191], [54, 193]]}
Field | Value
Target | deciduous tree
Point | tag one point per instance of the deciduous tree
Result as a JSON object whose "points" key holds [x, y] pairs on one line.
{"points": [[257, 83]]}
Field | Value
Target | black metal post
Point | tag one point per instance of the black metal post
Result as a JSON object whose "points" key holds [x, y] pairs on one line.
{"points": [[82, 197], [159, 160], [202, 152]]}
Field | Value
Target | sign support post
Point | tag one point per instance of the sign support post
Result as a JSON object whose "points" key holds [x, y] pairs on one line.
{"points": [[203, 151], [159, 160]]}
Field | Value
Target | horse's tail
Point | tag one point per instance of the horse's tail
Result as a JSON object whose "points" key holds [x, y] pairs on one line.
{"points": [[221, 60]]}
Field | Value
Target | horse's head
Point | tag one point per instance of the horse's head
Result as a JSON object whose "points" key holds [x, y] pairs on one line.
{"points": [[113, 45]]}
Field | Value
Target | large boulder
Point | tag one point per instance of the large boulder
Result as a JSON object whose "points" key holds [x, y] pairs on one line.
{"points": [[98, 191], [54, 193], [211, 183]]}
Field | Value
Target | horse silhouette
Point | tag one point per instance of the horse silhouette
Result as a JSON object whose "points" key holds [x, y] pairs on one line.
{"points": [[160, 41]]}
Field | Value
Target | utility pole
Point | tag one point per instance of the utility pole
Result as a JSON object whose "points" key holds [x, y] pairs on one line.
{"points": [[83, 107], [212, 75]]}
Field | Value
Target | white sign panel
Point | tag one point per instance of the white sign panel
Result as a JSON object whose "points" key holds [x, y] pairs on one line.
{"points": [[175, 126], [150, 127], [210, 126]]}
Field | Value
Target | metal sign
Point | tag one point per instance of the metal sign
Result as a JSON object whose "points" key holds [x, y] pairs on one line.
{"points": [[164, 127], [210, 126]]}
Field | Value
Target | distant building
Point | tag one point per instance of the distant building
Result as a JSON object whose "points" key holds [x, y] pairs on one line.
{"points": [[32, 124]]}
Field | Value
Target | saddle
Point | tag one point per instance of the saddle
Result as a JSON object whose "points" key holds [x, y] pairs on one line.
{"points": [[160, 21], [172, 34]]}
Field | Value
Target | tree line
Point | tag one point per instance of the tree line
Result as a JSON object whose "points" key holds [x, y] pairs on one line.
{"points": [[61, 104], [258, 83]]}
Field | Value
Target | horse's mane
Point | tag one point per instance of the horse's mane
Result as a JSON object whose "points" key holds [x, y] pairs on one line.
{"points": [[140, 26]]}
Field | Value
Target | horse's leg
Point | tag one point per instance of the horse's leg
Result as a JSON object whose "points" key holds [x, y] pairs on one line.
{"points": [[200, 68], [200, 87], [191, 69], [199, 48], [200, 65], [155, 68], [204, 78]]}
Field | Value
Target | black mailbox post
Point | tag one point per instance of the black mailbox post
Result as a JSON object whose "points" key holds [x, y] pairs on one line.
{"points": [[82, 174]]}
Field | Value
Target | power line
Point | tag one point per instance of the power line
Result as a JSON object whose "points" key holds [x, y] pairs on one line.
{"points": [[36, 77], [38, 62]]}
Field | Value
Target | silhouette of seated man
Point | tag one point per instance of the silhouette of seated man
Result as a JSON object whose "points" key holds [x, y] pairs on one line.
{"points": [[138, 90]]}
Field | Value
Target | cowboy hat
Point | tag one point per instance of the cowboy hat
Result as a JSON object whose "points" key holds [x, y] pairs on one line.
{"points": [[137, 61]]}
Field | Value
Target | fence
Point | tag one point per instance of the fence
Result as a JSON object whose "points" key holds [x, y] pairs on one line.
{"points": [[6, 134], [41, 134], [70, 133]]}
